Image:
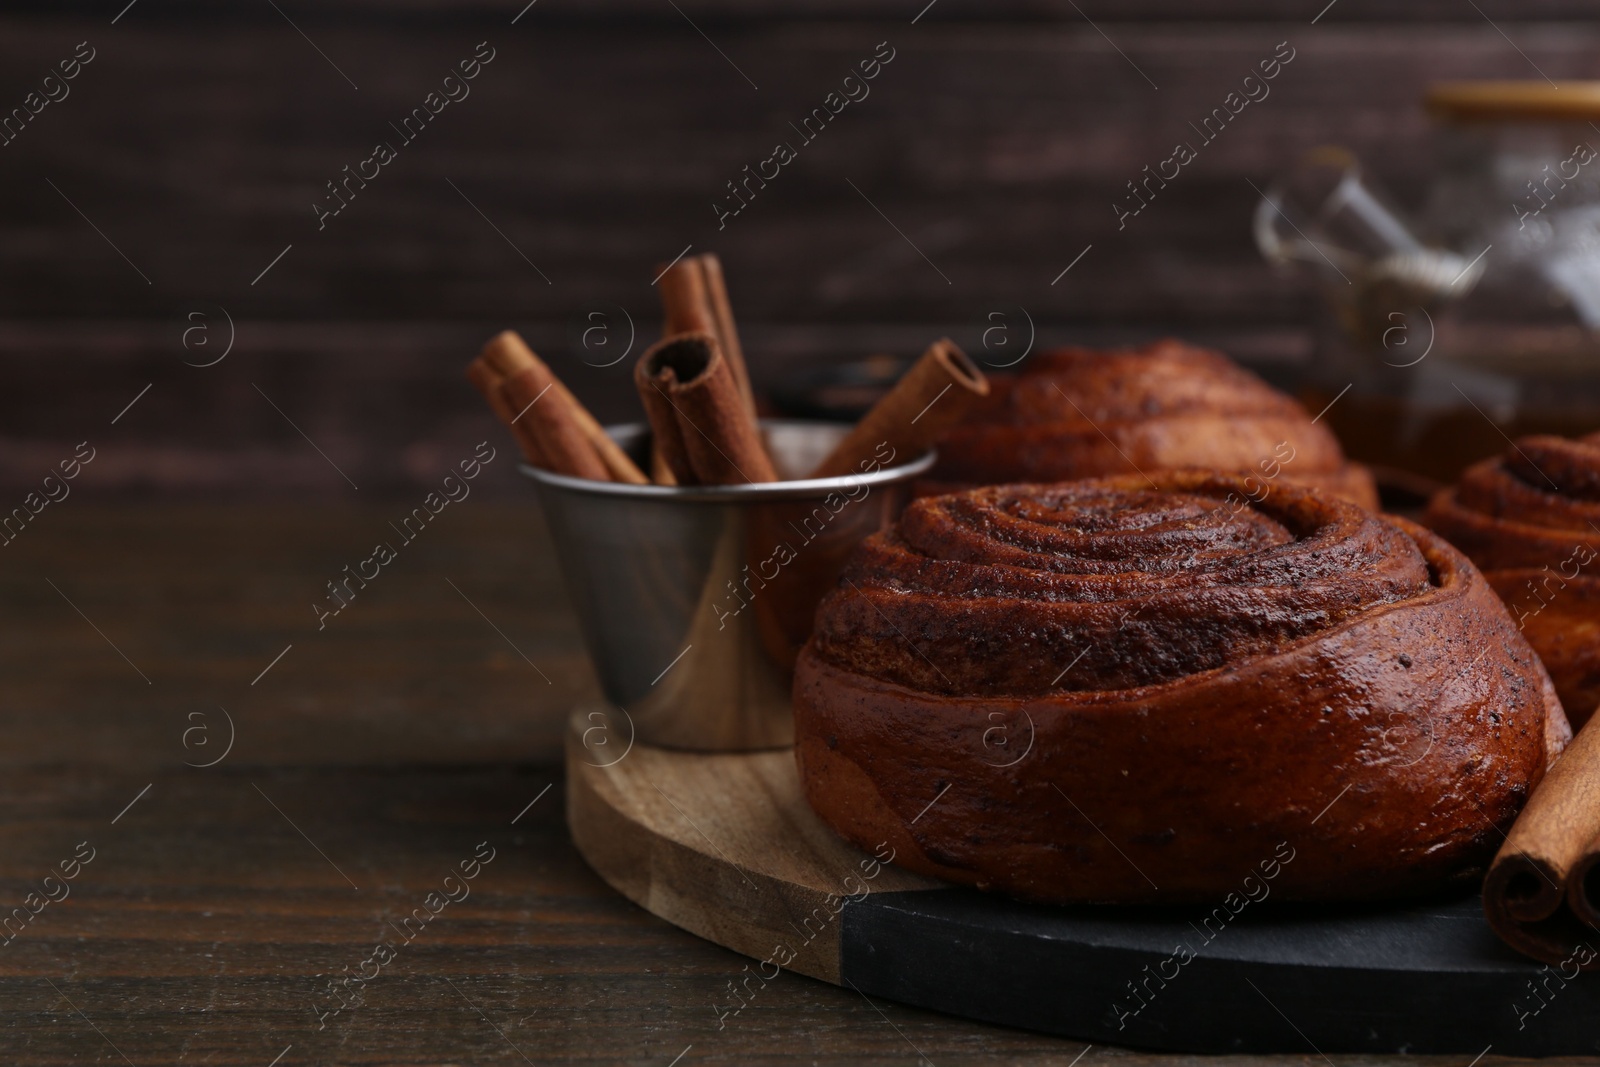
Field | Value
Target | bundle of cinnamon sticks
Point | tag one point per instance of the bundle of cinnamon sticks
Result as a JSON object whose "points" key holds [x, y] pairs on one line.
{"points": [[695, 387]]}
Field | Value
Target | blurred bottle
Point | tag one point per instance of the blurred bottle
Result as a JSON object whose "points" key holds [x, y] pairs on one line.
{"points": [[1478, 316]]}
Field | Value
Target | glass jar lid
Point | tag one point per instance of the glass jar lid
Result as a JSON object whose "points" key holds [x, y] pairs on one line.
{"points": [[1514, 101]]}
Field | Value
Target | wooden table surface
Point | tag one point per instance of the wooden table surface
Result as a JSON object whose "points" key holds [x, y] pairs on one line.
{"points": [[369, 762]]}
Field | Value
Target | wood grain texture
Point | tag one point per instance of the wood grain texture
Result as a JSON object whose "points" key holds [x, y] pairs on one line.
{"points": [[691, 837], [396, 744], [721, 11], [387, 402], [998, 149], [203, 599], [195, 934], [593, 147], [1288, 11]]}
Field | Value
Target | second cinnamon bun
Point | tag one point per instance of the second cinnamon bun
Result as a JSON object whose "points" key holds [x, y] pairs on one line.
{"points": [[1530, 520], [1085, 413]]}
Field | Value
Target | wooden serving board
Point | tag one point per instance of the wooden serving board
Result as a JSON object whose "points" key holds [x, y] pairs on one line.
{"points": [[725, 847]]}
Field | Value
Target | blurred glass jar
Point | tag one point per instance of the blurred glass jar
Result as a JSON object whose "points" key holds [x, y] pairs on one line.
{"points": [[1479, 319]]}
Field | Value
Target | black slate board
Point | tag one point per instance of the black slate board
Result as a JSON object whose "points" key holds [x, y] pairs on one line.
{"points": [[1426, 977]]}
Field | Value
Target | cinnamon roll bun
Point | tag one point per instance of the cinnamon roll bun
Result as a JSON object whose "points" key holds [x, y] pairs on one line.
{"points": [[1530, 520], [1084, 413], [1140, 690]]}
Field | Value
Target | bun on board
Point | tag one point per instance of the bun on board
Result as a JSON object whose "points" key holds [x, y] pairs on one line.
{"points": [[1130, 690]]}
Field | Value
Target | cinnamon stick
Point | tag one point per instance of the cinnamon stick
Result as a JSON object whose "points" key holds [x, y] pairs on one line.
{"points": [[487, 381], [684, 300], [1535, 896], [695, 299], [508, 355], [1583, 884], [556, 431], [937, 392], [721, 444], [669, 460], [727, 333], [660, 470]]}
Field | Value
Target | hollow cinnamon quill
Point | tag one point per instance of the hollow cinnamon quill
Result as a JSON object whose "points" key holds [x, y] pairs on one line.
{"points": [[695, 300], [669, 460], [1535, 896], [937, 392], [697, 417]]}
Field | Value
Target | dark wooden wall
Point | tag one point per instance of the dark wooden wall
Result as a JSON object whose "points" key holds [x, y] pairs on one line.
{"points": [[595, 143]]}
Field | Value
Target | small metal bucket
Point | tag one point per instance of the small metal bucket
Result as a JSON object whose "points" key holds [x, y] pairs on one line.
{"points": [[694, 601]]}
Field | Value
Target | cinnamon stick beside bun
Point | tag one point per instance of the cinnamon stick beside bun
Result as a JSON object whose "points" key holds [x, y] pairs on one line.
{"points": [[1084, 413], [937, 392], [1539, 895], [1131, 690]]}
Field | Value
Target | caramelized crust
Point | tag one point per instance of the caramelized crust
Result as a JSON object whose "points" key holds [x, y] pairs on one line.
{"points": [[1082, 413], [1120, 693], [1530, 519]]}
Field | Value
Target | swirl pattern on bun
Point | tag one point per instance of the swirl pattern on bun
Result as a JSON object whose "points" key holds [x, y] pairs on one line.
{"points": [[1124, 691], [1530, 520], [1084, 413]]}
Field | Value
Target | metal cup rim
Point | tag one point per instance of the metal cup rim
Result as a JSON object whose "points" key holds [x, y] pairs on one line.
{"points": [[726, 494]]}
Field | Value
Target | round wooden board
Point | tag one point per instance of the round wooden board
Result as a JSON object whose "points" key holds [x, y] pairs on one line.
{"points": [[725, 847]]}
